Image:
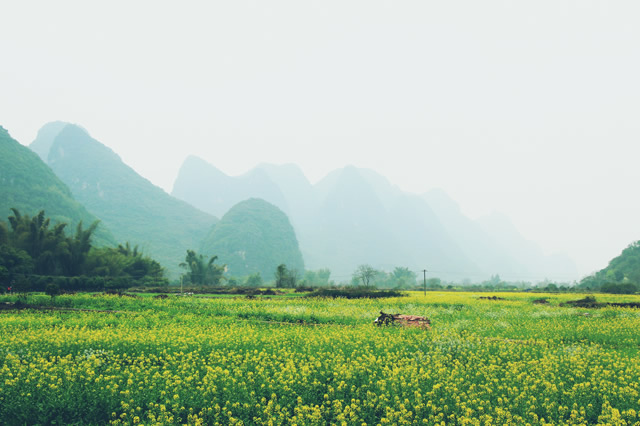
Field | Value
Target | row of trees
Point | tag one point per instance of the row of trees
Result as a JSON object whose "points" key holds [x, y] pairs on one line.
{"points": [[34, 252], [401, 277]]}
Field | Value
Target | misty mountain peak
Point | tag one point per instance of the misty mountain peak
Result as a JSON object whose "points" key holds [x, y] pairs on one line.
{"points": [[438, 197], [46, 135], [204, 186], [75, 140]]}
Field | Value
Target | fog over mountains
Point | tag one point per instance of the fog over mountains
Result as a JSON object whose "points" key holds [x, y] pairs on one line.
{"points": [[355, 216], [352, 216]]}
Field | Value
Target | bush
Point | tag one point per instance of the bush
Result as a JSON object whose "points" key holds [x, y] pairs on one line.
{"points": [[619, 288], [52, 289]]}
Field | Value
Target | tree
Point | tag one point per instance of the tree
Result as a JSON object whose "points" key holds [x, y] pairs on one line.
{"points": [[365, 273], [13, 262], [201, 271], [402, 277], [4, 234], [318, 278], [285, 278], [254, 280], [127, 263], [53, 253], [52, 289]]}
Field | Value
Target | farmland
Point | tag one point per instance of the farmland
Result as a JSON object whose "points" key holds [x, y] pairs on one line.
{"points": [[294, 360]]}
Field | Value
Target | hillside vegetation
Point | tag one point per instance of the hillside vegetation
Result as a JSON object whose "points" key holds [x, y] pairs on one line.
{"points": [[132, 207], [622, 275], [29, 185], [254, 236]]}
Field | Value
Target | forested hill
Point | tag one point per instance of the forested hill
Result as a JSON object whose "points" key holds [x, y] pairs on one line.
{"points": [[254, 236], [29, 185], [132, 207], [622, 275]]}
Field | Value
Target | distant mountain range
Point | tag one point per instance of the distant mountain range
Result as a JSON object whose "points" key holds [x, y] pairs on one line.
{"points": [[355, 216], [351, 217]]}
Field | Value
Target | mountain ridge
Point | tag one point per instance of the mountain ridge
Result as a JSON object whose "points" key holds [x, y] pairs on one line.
{"points": [[331, 228], [30, 185], [136, 210]]}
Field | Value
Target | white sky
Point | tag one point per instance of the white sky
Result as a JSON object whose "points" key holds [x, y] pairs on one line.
{"points": [[528, 108]]}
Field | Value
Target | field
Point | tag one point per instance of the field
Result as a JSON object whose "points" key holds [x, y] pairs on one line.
{"points": [[292, 360]]}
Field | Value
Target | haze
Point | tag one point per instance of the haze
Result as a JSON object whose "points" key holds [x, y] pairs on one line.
{"points": [[530, 109]]}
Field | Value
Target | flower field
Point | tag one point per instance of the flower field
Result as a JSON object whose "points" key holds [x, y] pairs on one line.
{"points": [[290, 360]]}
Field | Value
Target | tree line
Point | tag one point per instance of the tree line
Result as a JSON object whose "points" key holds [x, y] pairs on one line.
{"points": [[35, 253]]}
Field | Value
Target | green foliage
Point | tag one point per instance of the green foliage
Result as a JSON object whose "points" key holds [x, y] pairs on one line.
{"points": [[35, 254], [132, 207], [622, 273], [254, 236], [402, 277], [254, 280], [126, 262], [52, 289], [52, 252], [619, 288], [29, 185], [201, 271], [285, 278], [13, 261], [319, 278]]}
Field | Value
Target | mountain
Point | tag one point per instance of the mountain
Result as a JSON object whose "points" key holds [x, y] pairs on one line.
{"points": [[363, 219], [351, 217], [528, 253], [254, 236], [474, 240], [46, 135], [134, 209], [622, 274], [207, 188], [29, 185], [355, 216], [496, 245]]}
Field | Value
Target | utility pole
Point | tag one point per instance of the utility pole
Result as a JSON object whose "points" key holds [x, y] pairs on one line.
{"points": [[424, 272]]}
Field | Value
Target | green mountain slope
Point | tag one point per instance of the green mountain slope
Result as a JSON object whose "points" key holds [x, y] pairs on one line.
{"points": [[29, 185], [622, 274], [132, 207], [254, 236]]}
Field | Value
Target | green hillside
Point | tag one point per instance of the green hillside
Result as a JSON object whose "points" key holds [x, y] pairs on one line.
{"points": [[254, 236], [133, 208], [29, 185], [622, 274]]}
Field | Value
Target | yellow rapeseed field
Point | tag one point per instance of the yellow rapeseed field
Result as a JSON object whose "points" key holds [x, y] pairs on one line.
{"points": [[188, 360]]}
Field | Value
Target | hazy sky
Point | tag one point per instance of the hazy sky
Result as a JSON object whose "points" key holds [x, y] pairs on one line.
{"points": [[527, 108]]}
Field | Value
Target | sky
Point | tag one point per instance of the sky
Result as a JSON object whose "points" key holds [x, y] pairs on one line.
{"points": [[531, 109]]}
